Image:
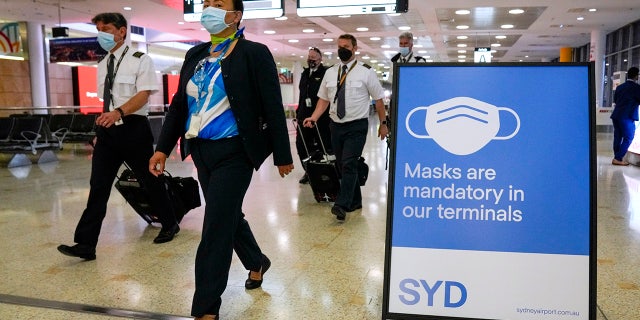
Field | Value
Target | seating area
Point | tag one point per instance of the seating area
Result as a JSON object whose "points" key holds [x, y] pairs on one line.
{"points": [[26, 138]]}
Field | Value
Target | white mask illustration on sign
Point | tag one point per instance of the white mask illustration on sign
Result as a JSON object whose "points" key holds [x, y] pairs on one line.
{"points": [[462, 125]]}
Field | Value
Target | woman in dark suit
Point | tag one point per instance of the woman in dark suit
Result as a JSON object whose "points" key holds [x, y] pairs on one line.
{"points": [[229, 116]]}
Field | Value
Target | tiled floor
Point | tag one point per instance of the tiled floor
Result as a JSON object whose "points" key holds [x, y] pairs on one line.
{"points": [[321, 269]]}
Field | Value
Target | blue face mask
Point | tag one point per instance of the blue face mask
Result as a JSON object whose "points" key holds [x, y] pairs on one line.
{"points": [[106, 40], [404, 51], [212, 19]]}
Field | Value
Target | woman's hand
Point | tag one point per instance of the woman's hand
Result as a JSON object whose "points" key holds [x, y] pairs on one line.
{"points": [[285, 170], [157, 162]]}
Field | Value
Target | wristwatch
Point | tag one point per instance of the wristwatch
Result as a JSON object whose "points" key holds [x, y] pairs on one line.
{"points": [[383, 122]]}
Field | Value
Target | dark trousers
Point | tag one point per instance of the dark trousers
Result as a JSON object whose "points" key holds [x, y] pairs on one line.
{"points": [[131, 142], [224, 172], [348, 141], [623, 132]]}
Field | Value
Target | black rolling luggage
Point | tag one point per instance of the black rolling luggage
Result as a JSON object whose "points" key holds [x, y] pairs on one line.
{"points": [[183, 193], [322, 173]]}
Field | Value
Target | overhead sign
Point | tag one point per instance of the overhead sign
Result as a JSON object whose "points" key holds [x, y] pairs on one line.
{"points": [[491, 193], [482, 54]]}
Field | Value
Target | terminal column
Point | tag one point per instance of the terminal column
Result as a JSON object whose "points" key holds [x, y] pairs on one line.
{"points": [[35, 36], [566, 54]]}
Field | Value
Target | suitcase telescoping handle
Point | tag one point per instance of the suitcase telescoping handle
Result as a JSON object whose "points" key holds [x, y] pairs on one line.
{"points": [[324, 150], [297, 125]]}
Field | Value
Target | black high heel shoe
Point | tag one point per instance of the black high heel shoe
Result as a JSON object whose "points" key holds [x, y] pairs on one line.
{"points": [[251, 284]]}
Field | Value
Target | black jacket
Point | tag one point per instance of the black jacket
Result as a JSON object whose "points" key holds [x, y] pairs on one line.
{"points": [[251, 80], [309, 88], [417, 58]]}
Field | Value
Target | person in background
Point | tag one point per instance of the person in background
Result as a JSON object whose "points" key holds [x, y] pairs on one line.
{"points": [[123, 134], [624, 115], [347, 89], [229, 116], [309, 85], [405, 54]]}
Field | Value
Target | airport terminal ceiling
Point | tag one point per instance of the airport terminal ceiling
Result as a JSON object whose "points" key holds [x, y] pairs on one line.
{"points": [[534, 32]]}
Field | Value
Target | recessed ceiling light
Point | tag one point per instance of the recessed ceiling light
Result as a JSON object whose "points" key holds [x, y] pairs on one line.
{"points": [[374, 61], [422, 51], [495, 44], [328, 53], [281, 18], [506, 26], [501, 37], [180, 22], [593, 10], [357, 52], [580, 18], [418, 46], [385, 46], [461, 60], [393, 14], [327, 39], [404, 28], [526, 56], [427, 57], [269, 32], [381, 64], [462, 37], [462, 51], [386, 67], [308, 30], [366, 57], [127, 8], [462, 45], [344, 16], [462, 56], [463, 11], [429, 60], [363, 29], [293, 40], [516, 11], [462, 27], [374, 38]]}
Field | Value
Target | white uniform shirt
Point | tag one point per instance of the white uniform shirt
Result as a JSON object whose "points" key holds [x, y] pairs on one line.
{"points": [[362, 85], [134, 74]]}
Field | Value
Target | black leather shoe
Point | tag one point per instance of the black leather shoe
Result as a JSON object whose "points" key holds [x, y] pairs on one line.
{"points": [[79, 250], [339, 212], [254, 284], [167, 235], [304, 179]]}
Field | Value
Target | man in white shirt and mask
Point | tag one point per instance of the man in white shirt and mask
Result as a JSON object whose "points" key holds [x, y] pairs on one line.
{"points": [[405, 53]]}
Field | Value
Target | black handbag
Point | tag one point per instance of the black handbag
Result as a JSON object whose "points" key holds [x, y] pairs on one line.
{"points": [[186, 189], [363, 171]]}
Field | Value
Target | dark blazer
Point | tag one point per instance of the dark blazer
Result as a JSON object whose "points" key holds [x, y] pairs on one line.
{"points": [[251, 80], [626, 98], [309, 88], [417, 58]]}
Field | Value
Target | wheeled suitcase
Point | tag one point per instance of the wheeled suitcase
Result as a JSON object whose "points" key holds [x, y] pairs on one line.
{"points": [[322, 172], [183, 194]]}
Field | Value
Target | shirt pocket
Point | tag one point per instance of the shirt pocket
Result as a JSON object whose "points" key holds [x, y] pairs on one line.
{"points": [[126, 84], [356, 89], [332, 88]]}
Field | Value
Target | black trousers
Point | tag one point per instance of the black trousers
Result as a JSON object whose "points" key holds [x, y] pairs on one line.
{"points": [[348, 141], [224, 172], [131, 142]]}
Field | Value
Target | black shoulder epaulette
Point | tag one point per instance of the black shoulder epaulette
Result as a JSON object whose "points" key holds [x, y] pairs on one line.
{"points": [[366, 65], [102, 58], [138, 54]]}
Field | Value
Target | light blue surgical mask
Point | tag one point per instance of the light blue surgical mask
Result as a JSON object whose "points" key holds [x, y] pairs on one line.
{"points": [[106, 40], [404, 51], [212, 19]]}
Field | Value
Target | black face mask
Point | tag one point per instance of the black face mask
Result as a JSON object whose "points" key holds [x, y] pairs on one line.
{"points": [[344, 54], [312, 64]]}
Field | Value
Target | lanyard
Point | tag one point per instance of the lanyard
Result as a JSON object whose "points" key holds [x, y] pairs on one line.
{"points": [[115, 71], [342, 78], [207, 70]]}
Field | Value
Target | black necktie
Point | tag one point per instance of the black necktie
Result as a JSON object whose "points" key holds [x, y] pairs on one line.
{"points": [[341, 90], [108, 84]]}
